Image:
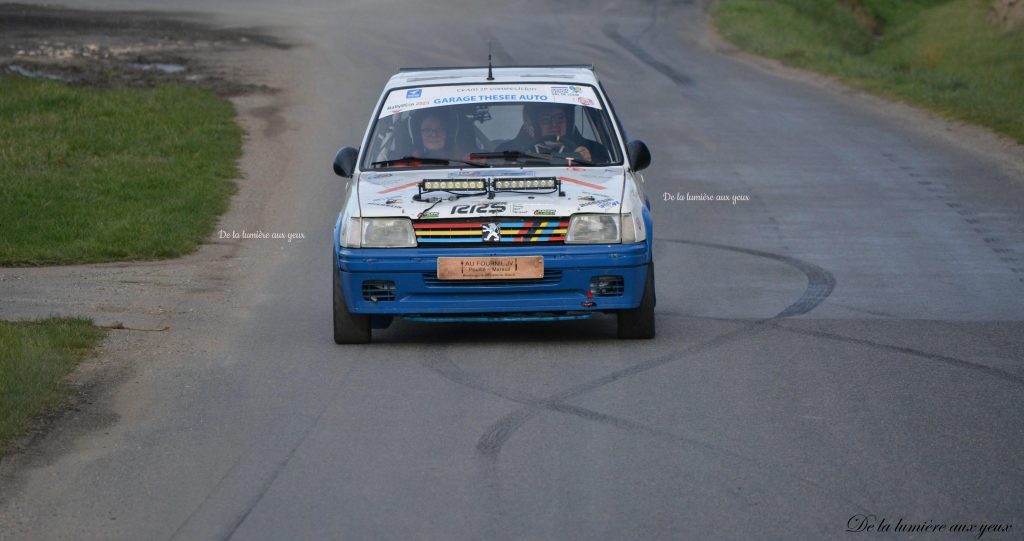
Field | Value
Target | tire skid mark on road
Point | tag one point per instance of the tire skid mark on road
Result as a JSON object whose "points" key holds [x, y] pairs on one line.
{"points": [[278, 468], [240, 461], [820, 284], [490, 443], [767, 468], [444, 366], [209, 496], [980, 222], [952, 361], [945, 359], [611, 31]]}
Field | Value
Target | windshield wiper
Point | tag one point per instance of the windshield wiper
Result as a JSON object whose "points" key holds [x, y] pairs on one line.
{"points": [[431, 161], [511, 155]]}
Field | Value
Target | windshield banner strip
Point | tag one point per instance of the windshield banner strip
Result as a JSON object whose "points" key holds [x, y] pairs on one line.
{"points": [[410, 99]]}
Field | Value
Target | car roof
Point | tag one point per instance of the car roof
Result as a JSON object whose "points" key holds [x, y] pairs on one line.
{"points": [[573, 73]]}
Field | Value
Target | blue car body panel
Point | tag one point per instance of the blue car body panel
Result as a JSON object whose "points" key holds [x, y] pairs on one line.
{"points": [[568, 268]]}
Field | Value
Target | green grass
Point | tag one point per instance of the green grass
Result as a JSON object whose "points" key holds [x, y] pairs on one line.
{"points": [[940, 54], [35, 359], [90, 175]]}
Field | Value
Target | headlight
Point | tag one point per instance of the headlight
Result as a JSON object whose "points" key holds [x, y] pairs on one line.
{"points": [[593, 229], [388, 233]]}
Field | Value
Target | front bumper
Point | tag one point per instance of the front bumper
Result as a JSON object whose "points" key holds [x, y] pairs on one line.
{"points": [[569, 270]]}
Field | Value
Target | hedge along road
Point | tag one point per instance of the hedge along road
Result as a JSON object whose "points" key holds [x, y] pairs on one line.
{"points": [[845, 343]]}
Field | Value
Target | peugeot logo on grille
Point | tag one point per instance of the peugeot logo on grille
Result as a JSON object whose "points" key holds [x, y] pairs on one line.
{"points": [[491, 232]]}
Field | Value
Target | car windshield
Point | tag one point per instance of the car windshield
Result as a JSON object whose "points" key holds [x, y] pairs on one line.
{"points": [[491, 126]]}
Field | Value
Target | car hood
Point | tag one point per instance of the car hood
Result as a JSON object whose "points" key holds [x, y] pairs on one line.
{"points": [[586, 189]]}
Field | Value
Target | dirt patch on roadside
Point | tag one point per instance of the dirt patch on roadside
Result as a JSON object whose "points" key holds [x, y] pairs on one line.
{"points": [[863, 16], [1007, 14], [124, 48], [191, 296]]}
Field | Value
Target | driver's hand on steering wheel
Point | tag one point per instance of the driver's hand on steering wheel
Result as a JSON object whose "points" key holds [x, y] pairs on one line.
{"points": [[584, 153]]}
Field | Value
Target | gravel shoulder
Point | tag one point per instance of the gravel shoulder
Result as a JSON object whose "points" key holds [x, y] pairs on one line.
{"points": [[161, 307]]}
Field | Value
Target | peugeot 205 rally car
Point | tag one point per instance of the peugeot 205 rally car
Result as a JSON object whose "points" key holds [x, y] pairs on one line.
{"points": [[504, 194]]}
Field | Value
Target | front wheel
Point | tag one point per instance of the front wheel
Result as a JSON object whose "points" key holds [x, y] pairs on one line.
{"points": [[639, 322], [349, 328]]}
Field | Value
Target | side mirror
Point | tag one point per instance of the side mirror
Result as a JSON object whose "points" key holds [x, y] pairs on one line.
{"points": [[345, 162], [639, 156]]}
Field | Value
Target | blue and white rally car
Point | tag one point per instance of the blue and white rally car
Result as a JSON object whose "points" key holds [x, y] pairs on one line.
{"points": [[504, 194]]}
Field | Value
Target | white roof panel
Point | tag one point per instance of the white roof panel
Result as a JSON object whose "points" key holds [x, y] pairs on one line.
{"points": [[431, 76]]}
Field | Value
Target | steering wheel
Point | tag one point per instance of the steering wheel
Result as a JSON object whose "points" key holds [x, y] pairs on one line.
{"points": [[564, 147]]}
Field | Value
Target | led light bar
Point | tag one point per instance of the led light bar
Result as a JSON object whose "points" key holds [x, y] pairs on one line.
{"points": [[549, 183], [490, 184], [449, 185]]}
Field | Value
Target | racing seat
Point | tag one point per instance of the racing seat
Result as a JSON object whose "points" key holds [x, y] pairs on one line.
{"points": [[403, 145], [465, 135]]}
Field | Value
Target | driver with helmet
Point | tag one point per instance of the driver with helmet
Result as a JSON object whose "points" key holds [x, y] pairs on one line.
{"points": [[549, 128]]}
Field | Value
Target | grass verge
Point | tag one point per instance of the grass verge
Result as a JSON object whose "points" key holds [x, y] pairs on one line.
{"points": [[35, 359], [940, 54], [90, 175]]}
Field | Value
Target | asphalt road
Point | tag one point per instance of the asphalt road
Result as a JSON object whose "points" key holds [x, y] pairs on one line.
{"points": [[847, 342]]}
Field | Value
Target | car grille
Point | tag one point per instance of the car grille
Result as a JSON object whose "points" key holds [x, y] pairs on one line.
{"points": [[513, 231], [378, 290], [607, 286]]}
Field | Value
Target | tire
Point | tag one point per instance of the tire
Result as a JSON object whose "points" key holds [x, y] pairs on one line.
{"points": [[639, 322], [349, 328]]}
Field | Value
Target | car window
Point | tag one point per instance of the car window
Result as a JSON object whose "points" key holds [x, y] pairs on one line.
{"points": [[427, 127]]}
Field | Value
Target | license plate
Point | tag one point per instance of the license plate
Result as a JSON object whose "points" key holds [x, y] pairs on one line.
{"points": [[490, 268]]}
